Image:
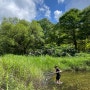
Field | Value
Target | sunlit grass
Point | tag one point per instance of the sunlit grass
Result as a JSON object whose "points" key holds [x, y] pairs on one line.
{"points": [[19, 72]]}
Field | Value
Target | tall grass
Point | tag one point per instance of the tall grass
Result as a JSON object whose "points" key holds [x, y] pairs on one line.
{"points": [[27, 72]]}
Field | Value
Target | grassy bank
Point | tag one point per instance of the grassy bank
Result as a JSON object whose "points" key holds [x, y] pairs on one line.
{"points": [[26, 72]]}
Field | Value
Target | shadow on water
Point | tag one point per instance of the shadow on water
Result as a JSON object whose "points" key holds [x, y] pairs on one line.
{"points": [[71, 81]]}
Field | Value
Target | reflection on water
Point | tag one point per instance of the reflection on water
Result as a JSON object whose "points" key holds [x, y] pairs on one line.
{"points": [[71, 81]]}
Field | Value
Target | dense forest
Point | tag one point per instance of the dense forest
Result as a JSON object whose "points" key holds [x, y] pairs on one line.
{"points": [[70, 35]]}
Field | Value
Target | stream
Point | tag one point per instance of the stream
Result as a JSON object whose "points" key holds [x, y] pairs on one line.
{"points": [[71, 81]]}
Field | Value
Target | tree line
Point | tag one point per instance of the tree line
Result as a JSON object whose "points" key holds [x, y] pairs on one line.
{"points": [[71, 34]]}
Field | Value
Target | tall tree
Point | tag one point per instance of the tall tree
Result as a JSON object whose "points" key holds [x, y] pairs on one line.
{"points": [[84, 32], [85, 22], [58, 35], [36, 35], [5, 39], [69, 23], [47, 27]]}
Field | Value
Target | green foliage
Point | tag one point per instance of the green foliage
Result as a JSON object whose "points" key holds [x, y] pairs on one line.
{"points": [[47, 27], [43, 37], [20, 37], [87, 45], [85, 21], [69, 22], [36, 35], [70, 19], [84, 32]]}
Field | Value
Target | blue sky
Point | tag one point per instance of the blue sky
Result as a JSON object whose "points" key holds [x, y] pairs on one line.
{"points": [[38, 9]]}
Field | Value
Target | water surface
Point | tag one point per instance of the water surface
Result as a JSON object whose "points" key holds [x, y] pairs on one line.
{"points": [[71, 81]]}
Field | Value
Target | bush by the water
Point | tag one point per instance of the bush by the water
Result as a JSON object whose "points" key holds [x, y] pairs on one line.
{"points": [[57, 51]]}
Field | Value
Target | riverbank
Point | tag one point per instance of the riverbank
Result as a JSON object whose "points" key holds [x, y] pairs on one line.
{"points": [[27, 72]]}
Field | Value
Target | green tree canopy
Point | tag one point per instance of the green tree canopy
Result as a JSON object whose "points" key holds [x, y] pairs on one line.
{"points": [[20, 37], [47, 27], [69, 23]]}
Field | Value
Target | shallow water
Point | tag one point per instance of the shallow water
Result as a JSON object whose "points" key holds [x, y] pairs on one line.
{"points": [[71, 81]]}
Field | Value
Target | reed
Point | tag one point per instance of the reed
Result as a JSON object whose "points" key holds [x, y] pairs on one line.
{"points": [[19, 72]]}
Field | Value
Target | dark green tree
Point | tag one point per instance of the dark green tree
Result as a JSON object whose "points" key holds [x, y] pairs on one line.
{"points": [[84, 32], [69, 23], [36, 35], [85, 22], [47, 27]]}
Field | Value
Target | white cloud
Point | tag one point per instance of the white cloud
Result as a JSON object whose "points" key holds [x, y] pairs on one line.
{"points": [[45, 9], [57, 14], [23, 9], [79, 4], [39, 1], [60, 1]]}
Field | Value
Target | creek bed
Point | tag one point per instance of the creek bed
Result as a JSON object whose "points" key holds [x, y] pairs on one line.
{"points": [[71, 81]]}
